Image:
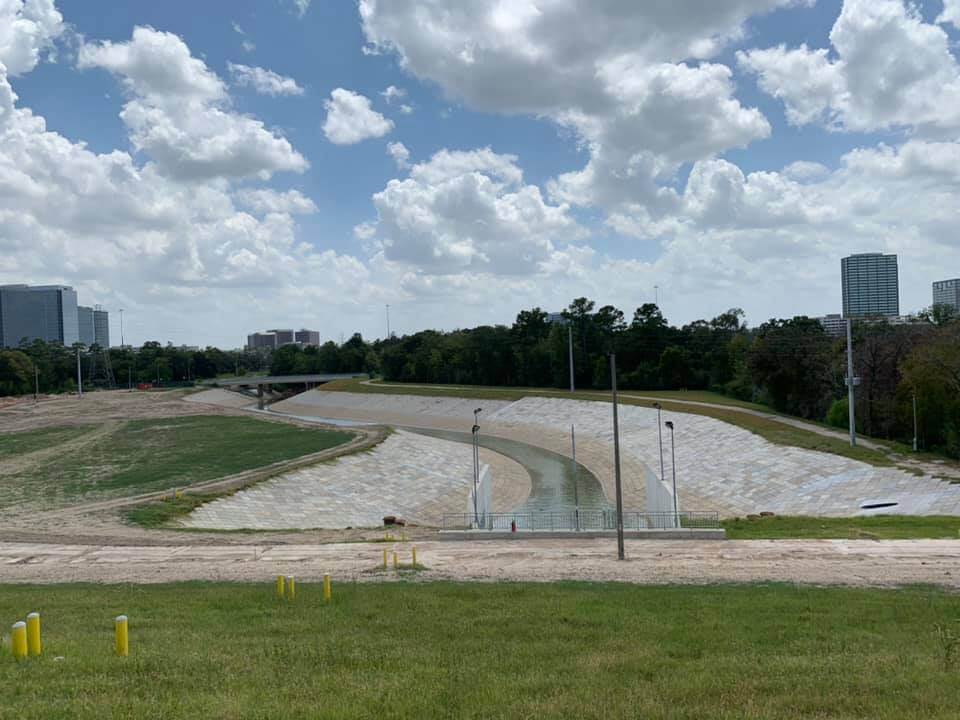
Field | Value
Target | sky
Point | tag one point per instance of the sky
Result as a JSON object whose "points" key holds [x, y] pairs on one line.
{"points": [[217, 168]]}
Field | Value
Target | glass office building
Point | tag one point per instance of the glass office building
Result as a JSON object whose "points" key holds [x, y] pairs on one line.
{"points": [[47, 312], [871, 285], [947, 292]]}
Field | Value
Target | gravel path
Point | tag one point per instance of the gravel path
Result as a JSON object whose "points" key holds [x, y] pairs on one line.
{"points": [[822, 562]]}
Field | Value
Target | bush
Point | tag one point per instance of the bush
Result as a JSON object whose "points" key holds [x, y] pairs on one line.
{"points": [[839, 414]]}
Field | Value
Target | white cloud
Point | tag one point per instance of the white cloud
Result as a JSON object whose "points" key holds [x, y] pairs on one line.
{"points": [[365, 231], [179, 111], [401, 156], [406, 109], [265, 82], [470, 212], [951, 13], [393, 93], [248, 46], [301, 7], [892, 70], [265, 200], [27, 28], [350, 119]]}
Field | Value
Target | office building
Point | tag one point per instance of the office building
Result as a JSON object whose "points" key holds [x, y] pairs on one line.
{"points": [[85, 328], [284, 337], [260, 340], [101, 327], [947, 292], [871, 286], [308, 337], [834, 324], [47, 312]]}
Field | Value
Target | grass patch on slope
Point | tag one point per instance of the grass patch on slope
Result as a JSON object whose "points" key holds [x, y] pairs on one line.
{"points": [[874, 527], [431, 650]]}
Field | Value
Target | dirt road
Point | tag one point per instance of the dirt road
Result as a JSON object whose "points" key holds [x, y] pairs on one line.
{"points": [[822, 562]]}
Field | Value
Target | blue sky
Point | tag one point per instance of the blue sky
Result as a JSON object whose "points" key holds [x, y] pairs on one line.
{"points": [[629, 147]]}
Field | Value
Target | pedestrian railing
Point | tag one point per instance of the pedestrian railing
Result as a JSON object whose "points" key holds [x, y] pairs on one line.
{"points": [[590, 520]]}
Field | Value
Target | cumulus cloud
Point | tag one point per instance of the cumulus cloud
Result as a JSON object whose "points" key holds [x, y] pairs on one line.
{"points": [[951, 13], [892, 70], [301, 7], [265, 82], [265, 200], [401, 156], [27, 28], [179, 112], [470, 212], [393, 93], [351, 119]]}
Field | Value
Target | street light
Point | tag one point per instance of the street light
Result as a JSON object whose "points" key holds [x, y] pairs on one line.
{"points": [[616, 456], [659, 407], [476, 464], [673, 463]]}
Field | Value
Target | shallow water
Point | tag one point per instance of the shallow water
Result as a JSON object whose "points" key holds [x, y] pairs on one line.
{"points": [[555, 485]]}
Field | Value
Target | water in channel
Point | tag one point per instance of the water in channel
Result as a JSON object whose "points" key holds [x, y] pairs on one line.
{"points": [[555, 485]]}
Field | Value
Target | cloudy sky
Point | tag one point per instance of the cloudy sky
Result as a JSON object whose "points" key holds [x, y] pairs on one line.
{"points": [[220, 167]]}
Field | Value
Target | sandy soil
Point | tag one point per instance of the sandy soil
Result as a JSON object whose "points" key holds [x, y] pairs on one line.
{"points": [[827, 562]]}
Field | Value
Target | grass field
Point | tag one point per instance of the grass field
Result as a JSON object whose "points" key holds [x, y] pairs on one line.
{"points": [[415, 650], [767, 428], [125, 458], [877, 527]]}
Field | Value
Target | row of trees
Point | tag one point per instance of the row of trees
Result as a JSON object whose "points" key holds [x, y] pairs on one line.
{"points": [[792, 365]]}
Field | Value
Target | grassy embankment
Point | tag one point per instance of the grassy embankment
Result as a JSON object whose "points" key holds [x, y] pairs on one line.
{"points": [[429, 650], [59, 467], [877, 527], [767, 428]]}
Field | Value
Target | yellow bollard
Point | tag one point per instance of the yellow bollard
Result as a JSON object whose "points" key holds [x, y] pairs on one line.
{"points": [[384, 558], [18, 640], [414, 556], [396, 565], [122, 636], [291, 588], [327, 588], [280, 587], [176, 493], [33, 634]]}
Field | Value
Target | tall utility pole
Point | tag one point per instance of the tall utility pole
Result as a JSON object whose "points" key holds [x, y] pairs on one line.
{"points": [[388, 321], [656, 295], [79, 376], [616, 456], [851, 384], [659, 407], [570, 352], [121, 327], [36, 384], [576, 476], [915, 443]]}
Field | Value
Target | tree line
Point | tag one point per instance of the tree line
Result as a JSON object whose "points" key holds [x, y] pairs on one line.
{"points": [[791, 365]]}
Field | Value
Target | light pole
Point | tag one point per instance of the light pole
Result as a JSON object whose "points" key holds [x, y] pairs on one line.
{"points": [[36, 383], [121, 327], [852, 382], [576, 477], [476, 465], [616, 456], [659, 407], [915, 421], [673, 464], [79, 376], [388, 321], [570, 351]]}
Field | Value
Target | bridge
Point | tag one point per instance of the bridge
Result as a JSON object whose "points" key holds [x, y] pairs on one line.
{"points": [[266, 381]]}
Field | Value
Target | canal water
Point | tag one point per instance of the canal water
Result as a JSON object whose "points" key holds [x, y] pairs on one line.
{"points": [[556, 485]]}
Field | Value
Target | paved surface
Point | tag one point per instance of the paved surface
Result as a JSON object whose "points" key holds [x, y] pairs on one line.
{"points": [[841, 562], [408, 475]]}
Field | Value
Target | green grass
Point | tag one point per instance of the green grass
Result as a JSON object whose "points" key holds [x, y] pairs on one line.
{"points": [[160, 514], [879, 527], [139, 456], [767, 428], [19, 443], [425, 650]]}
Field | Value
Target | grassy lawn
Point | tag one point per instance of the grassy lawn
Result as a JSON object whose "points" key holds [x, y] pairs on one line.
{"points": [[414, 650], [139, 456], [767, 428], [879, 527], [27, 442]]}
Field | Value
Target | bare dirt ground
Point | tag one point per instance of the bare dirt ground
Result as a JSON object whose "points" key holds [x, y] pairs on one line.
{"points": [[822, 562]]}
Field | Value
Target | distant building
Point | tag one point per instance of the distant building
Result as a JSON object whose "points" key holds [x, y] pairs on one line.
{"points": [[101, 327], [260, 340], [42, 312], [85, 326], [284, 337], [308, 337], [834, 324], [871, 285], [556, 317], [947, 292]]}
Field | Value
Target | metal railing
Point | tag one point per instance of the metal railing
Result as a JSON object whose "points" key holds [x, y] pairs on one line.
{"points": [[589, 520]]}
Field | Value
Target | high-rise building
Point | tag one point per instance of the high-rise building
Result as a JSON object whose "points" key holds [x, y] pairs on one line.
{"points": [[308, 337], [86, 331], [258, 340], [284, 337], [101, 327], [871, 285], [947, 292], [44, 312], [834, 324]]}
